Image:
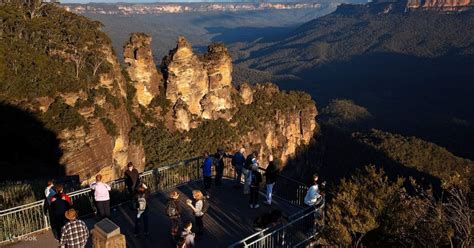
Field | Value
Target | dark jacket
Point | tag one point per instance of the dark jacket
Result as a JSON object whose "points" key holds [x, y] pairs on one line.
{"points": [[131, 178], [172, 203], [256, 178], [271, 173], [60, 203], [248, 161], [238, 160]]}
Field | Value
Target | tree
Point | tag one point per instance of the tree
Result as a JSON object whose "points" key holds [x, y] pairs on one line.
{"points": [[358, 205]]}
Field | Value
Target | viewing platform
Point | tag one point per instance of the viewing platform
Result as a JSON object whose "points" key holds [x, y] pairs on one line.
{"points": [[228, 220]]}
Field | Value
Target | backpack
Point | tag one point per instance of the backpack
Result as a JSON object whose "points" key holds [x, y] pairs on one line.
{"points": [[171, 209], [205, 206], [141, 204]]}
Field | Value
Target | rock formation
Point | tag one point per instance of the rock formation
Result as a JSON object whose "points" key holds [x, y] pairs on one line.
{"points": [[92, 151], [204, 85], [141, 68], [443, 5]]}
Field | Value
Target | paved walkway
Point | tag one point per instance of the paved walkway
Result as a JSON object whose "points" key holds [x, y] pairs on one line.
{"points": [[228, 220]]}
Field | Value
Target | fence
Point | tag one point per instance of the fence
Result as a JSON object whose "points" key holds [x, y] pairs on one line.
{"points": [[300, 228], [29, 218]]}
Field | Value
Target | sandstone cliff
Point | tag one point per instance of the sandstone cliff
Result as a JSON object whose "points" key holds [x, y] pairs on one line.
{"points": [[443, 5], [141, 68]]}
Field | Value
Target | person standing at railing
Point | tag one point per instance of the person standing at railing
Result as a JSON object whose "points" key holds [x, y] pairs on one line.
{"points": [[132, 179], [75, 232], [255, 180], [49, 191], [219, 162], [60, 203], [207, 173], [271, 174], [238, 162], [251, 159], [174, 213], [312, 198], [101, 196]]}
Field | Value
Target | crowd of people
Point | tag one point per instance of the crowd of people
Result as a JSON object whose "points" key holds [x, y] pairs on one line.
{"points": [[71, 232]]}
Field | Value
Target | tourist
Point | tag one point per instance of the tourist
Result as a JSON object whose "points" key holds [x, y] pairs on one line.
{"points": [[206, 172], [251, 159], [49, 191], [60, 203], [101, 196], [187, 236], [312, 195], [238, 162], [271, 174], [174, 213], [75, 232], [255, 180], [132, 178], [219, 160], [199, 209], [142, 213], [311, 199]]}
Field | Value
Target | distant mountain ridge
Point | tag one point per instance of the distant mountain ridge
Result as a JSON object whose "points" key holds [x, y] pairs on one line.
{"points": [[412, 69]]}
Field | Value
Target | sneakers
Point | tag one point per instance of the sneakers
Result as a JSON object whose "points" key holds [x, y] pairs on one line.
{"points": [[256, 206], [251, 205]]}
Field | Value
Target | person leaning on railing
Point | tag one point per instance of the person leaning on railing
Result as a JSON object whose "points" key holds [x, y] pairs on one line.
{"points": [[312, 200]]}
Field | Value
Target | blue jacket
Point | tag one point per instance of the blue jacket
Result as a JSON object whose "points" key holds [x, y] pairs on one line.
{"points": [[238, 160], [206, 167]]}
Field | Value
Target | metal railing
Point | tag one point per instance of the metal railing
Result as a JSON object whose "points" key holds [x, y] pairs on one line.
{"points": [[30, 218], [301, 227]]}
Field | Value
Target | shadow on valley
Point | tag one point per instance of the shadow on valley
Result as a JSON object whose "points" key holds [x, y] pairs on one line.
{"points": [[27, 149], [430, 98], [335, 154], [248, 34]]}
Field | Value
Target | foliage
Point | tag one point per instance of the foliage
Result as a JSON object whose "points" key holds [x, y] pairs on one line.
{"points": [[344, 113], [424, 156], [61, 116], [358, 206], [110, 126], [56, 52]]}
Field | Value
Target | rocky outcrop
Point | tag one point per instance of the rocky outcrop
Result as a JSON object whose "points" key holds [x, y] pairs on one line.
{"points": [[186, 77], [443, 5], [203, 85], [246, 93], [141, 68], [284, 132], [93, 150]]}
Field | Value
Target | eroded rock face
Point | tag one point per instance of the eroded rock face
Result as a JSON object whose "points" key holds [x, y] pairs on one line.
{"points": [[141, 68], [443, 5], [246, 93], [186, 77], [203, 84], [89, 152]]}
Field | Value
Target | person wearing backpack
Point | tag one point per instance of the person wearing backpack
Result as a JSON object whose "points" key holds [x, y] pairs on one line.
{"points": [[60, 203], [173, 212], [251, 159], [187, 236], [199, 209], [142, 213], [255, 180]]}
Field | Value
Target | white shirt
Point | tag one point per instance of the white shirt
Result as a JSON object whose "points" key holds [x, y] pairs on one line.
{"points": [[198, 208], [312, 195], [49, 192]]}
